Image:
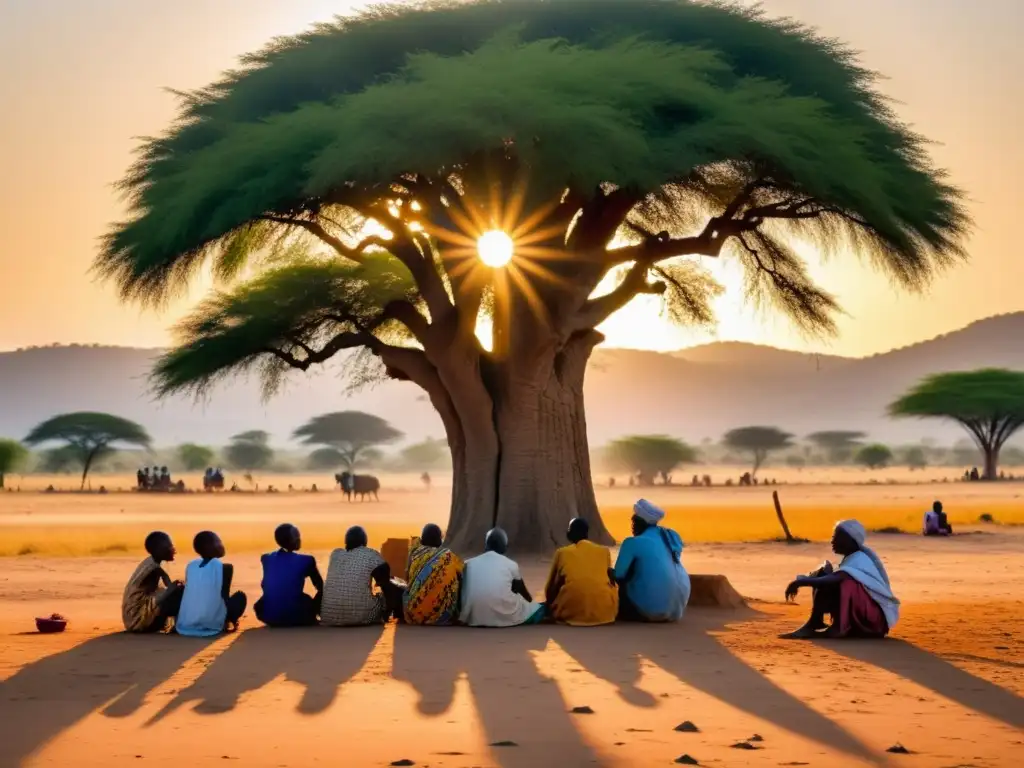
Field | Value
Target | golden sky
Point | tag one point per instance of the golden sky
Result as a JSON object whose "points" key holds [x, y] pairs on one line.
{"points": [[79, 79]]}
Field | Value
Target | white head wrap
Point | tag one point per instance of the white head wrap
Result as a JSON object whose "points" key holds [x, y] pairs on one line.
{"points": [[855, 530], [647, 512]]}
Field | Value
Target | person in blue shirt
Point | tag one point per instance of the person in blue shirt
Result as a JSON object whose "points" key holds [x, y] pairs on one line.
{"points": [[208, 607], [284, 602], [653, 585]]}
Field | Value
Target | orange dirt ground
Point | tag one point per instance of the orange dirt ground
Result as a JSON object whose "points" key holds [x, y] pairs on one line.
{"points": [[948, 685]]}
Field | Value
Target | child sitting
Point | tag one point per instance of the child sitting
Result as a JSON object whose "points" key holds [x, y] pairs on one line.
{"points": [[150, 598], [207, 606], [284, 602]]}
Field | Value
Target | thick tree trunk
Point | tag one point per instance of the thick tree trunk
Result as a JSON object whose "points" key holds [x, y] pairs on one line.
{"points": [[539, 477], [991, 463]]}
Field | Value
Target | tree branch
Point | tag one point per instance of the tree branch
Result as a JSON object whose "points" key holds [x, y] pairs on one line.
{"points": [[317, 229], [344, 340], [596, 311]]}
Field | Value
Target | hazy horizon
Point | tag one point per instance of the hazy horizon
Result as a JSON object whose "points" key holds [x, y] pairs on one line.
{"points": [[80, 81]]}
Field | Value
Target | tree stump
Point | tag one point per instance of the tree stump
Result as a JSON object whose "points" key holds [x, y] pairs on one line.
{"points": [[713, 591]]}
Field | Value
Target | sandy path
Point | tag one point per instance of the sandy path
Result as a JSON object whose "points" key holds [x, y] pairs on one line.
{"points": [[949, 686]]}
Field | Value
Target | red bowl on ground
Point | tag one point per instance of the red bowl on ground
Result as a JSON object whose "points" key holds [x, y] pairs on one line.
{"points": [[50, 626]]}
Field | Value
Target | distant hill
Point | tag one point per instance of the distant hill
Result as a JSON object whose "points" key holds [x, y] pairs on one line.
{"points": [[694, 393]]}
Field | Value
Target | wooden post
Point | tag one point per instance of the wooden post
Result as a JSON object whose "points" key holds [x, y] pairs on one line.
{"points": [[782, 518]]}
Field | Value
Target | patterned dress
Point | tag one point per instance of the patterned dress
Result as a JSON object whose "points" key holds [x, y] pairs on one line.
{"points": [[139, 607], [433, 593], [348, 597]]}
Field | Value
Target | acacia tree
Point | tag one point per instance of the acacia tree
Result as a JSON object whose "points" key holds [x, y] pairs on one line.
{"points": [[874, 456], [195, 457], [616, 142], [325, 458], [650, 456], [353, 434], [838, 445], [249, 450], [88, 436], [759, 441], [428, 455], [988, 403], [12, 455]]}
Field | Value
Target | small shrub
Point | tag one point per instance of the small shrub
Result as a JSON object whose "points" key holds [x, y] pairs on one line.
{"points": [[986, 518]]}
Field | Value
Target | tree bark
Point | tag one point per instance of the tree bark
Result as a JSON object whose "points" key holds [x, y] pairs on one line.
{"points": [[991, 463], [520, 456]]}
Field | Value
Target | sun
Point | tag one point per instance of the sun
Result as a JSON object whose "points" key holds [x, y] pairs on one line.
{"points": [[495, 248]]}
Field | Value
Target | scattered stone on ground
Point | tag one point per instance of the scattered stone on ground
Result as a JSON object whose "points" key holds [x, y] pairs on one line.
{"points": [[687, 727], [582, 711], [504, 744], [756, 737], [744, 745], [898, 749], [404, 761], [686, 760]]}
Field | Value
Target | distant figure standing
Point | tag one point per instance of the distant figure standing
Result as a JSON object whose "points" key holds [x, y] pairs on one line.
{"points": [[425, 477], [936, 523]]}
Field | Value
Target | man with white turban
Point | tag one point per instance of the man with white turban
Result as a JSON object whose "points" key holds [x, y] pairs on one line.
{"points": [[857, 597], [653, 585]]}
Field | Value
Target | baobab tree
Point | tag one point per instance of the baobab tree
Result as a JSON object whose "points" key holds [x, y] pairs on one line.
{"points": [[400, 173]]}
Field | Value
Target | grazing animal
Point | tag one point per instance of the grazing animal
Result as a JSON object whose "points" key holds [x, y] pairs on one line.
{"points": [[358, 485]]}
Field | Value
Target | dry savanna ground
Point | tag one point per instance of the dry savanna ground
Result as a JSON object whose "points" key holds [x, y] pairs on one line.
{"points": [[948, 685]]}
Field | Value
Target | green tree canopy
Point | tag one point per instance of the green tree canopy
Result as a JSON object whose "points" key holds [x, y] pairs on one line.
{"points": [[650, 456], [427, 455], [838, 445], [249, 450], [12, 456], [351, 433], [195, 457], [874, 456], [915, 457], [356, 166], [988, 403], [759, 441], [88, 436], [325, 458]]}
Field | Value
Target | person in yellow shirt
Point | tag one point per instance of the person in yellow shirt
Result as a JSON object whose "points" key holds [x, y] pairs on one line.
{"points": [[581, 589]]}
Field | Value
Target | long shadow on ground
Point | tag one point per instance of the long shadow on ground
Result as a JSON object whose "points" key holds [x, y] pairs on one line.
{"points": [[513, 700], [320, 659], [44, 699], [690, 652], [929, 671]]}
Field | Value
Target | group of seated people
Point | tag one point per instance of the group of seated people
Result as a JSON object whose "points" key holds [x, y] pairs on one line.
{"points": [[646, 584], [157, 480]]}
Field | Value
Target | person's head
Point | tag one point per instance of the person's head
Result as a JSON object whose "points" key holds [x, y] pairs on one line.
{"points": [[355, 537], [579, 530], [160, 547], [847, 537], [937, 507], [645, 515], [496, 541], [288, 537], [208, 545], [431, 536]]}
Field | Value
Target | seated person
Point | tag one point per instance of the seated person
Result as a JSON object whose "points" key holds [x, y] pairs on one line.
{"points": [[858, 597], [653, 585], [348, 596], [435, 580], [284, 602], [208, 607], [936, 523], [493, 592], [581, 588], [150, 598]]}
